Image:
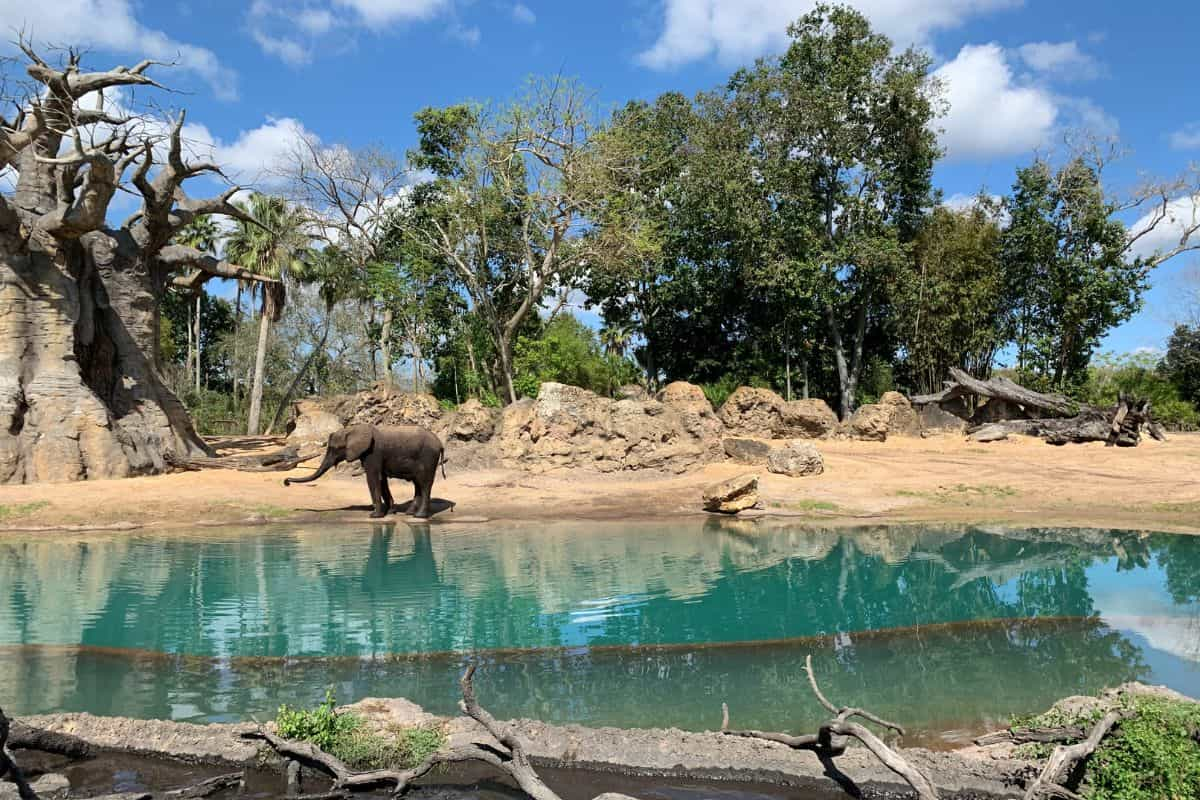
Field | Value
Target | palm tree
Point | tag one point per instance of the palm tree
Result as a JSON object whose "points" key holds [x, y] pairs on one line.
{"points": [[276, 247], [201, 233], [615, 340]]}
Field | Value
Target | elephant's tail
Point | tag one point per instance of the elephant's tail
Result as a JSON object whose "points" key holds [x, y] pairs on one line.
{"points": [[442, 464]]}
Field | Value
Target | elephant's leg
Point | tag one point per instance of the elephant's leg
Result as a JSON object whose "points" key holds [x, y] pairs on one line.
{"points": [[415, 505], [421, 501], [386, 493], [374, 484]]}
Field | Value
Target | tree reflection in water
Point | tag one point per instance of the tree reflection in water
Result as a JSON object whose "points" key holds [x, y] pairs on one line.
{"points": [[946, 629]]}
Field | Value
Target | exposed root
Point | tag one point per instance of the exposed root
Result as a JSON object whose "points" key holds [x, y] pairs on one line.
{"points": [[1062, 762], [829, 741]]}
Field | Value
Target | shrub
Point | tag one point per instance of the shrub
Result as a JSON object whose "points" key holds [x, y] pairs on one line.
{"points": [[346, 737], [717, 393], [1153, 755], [1138, 374]]}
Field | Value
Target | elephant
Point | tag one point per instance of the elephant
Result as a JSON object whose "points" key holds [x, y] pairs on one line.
{"points": [[387, 451]]}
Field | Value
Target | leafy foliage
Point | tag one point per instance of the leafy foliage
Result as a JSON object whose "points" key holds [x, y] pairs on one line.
{"points": [[1154, 755], [346, 737], [567, 351], [1182, 362], [1141, 376]]}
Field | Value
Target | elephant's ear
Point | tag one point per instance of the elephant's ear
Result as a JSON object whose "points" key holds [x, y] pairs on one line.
{"points": [[359, 439]]}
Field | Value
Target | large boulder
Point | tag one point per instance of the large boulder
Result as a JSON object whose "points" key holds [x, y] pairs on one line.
{"points": [[733, 495], [762, 413], [746, 451], [902, 418], [472, 421], [950, 417], [386, 405], [311, 421], [695, 412], [796, 459], [571, 427], [869, 423], [752, 412], [807, 419]]}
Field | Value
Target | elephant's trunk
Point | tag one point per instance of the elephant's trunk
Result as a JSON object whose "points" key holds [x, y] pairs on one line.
{"points": [[329, 462]]}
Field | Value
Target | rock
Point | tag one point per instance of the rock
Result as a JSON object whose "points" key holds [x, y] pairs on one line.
{"points": [[311, 421], [796, 459], [386, 405], [571, 427], [997, 409], [940, 418], [989, 433], [902, 419], [869, 423], [472, 421], [746, 451], [695, 413], [632, 391], [807, 419], [752, 412], [48, 787], [733, 495]]}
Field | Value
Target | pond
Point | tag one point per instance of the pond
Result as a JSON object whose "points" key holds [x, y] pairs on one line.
{"points": [[948, 630]]}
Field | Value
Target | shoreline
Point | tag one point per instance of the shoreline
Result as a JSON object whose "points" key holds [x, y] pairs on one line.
{"points": [[943, 479]]}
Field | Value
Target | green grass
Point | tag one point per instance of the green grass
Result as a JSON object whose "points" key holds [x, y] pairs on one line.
{"points": [[347, 737], [18, 510], [1152, 755], [962, 493], [807, 505]]}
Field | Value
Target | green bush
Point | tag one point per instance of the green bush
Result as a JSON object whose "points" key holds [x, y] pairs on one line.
{"points": [[1154, 755], [346, 737], [1138, 375], [567, 351], [717, 393]]}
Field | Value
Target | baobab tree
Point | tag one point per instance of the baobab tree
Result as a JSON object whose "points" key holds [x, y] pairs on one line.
{"points": [[81, 395]]}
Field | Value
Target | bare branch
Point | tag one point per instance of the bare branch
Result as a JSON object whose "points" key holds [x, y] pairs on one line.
{"points": [[1064, 757], [177, 257]]}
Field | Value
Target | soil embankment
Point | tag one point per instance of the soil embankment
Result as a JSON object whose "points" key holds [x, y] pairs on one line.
{"points": [[944, 478]]}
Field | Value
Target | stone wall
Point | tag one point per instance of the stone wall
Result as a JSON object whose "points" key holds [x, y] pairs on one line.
{"points": [[569, 427]]}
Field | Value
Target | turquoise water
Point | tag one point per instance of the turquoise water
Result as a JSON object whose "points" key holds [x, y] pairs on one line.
{"points": [[948, 629]]}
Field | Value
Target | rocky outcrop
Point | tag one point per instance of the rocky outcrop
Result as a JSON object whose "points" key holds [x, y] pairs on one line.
{"points": [[893, 415], [762, 413], [796, 459], [311, 421], [571, 427], [733, 495], [472, 422]]}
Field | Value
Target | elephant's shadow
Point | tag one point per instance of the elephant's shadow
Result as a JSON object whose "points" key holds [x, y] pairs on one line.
{"points": [[436, 506]]}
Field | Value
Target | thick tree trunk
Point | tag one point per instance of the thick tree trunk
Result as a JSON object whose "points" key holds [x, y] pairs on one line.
{"points": [[504, 355], [256, 388], [79, 393], [385, 345]]}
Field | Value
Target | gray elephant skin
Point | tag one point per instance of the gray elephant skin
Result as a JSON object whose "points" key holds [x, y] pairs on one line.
{"points": [[408, 452]]}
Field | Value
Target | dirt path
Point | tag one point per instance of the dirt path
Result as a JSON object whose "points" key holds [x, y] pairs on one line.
{"points": [[1154, 486]]}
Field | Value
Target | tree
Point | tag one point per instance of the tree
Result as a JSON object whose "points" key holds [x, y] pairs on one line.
{"points": [[1074, 270], [1181, 364], [352, 194], [844, 141], [81, 395], [276, 246], [512, 190], [202, 233], [949, 301]]}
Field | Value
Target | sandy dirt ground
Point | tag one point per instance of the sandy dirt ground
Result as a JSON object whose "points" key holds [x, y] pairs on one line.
{"points": [[1155, 486]]}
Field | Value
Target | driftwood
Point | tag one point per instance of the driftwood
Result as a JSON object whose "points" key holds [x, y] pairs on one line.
{"points": [[1021, 735], [1053, 417], [8, 765], [825, 741], [1061, 765], [279, 461], [25, 737], [507, 754]]}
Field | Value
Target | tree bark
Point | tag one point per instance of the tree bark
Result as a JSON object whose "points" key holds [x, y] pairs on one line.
{"points": [[385, 345], [199, 351], [260, 357]]}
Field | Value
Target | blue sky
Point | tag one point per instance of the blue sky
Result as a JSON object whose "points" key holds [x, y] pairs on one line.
{"points": [[1018, 74]]}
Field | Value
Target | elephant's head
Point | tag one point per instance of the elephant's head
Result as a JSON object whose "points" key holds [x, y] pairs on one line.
{"points": [[349, 444]]}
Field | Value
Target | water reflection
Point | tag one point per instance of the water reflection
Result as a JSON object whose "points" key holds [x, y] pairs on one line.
{"points": [[943, 628]]}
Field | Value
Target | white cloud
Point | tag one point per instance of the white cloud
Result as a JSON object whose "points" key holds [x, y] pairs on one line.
{"points": [[315, 20], [468, 36], [1061, 60], [111, 25], [381, 13], [736, 31], [1187, 137], [254, 153], [961, 201], [286, 50], [523, 14], [989, 113], [1182, 214]]}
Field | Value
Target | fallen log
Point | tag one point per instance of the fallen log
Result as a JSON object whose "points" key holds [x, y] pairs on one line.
{"points": [[826, 744], [25, 737], [279, 461], [1001, 388]]}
